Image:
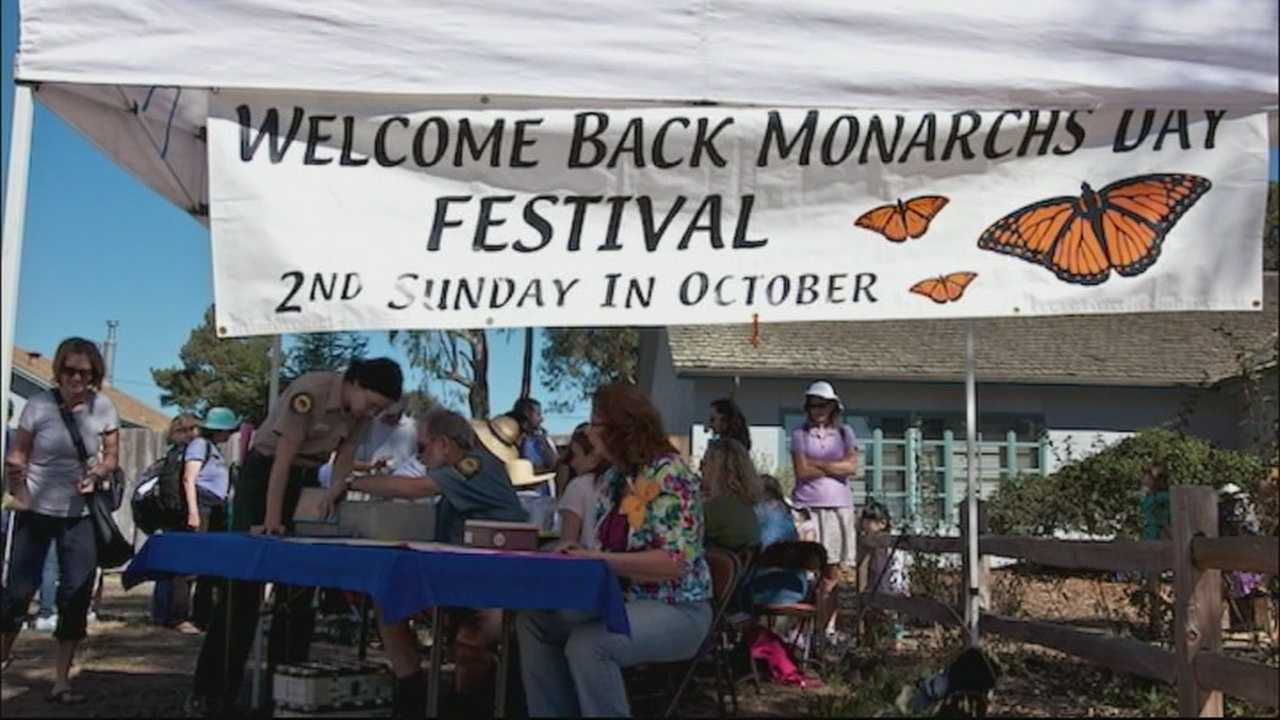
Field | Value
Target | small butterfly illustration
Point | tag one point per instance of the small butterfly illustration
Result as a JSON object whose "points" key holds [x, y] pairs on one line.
{"points": [[909, 219], [944, 288]]}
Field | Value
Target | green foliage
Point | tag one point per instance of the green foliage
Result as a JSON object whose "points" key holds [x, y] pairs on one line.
{"points": [[1100, 494], [460, 357], [231, 372], [582, 359], [323, 351]]}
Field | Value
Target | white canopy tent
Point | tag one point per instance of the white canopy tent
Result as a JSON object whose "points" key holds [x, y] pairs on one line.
{"points": [[135, 77]]}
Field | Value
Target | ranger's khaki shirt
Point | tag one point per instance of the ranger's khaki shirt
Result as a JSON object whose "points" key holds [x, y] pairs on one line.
{"points": [[311, 410]]}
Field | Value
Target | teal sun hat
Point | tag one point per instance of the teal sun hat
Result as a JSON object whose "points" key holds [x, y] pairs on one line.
{"points": [[220, 418]]}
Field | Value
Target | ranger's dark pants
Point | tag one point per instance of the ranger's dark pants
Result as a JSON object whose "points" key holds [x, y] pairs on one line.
{"points": [[234, 620]]}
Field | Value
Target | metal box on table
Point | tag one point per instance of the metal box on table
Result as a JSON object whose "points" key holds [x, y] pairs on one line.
{"points": [[389, 519]]}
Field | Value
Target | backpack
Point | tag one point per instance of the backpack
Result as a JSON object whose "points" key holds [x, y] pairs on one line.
{"points": [[158, 501]]}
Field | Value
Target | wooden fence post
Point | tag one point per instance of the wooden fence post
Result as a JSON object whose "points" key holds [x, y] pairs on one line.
{"points": [[1197, 610]]}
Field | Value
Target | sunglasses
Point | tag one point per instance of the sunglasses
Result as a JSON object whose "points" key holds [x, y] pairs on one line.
{"points": [[818, 405], [86, 373]]}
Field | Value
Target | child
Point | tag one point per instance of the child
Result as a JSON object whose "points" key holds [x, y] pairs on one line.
{"points": [[1156, 514], [886, 570], [1157, 519]]}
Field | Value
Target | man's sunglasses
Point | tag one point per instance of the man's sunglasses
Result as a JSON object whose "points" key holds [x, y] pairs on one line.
{"points": [[86, 373]]}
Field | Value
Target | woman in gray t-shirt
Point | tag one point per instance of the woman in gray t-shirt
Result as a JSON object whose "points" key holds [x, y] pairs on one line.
{"points": [[50, 485]]}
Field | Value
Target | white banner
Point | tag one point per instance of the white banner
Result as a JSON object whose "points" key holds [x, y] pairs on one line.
{"points": [[360, 213]]}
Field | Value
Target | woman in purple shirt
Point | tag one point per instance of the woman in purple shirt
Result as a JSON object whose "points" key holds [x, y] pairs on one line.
{"points": [[824, 453]]}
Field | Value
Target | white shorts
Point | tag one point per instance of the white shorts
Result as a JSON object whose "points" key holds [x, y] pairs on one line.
{"points": [[837, 531]]}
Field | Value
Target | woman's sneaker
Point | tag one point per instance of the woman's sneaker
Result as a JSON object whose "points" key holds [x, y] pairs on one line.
{"points": [[46, 624]]}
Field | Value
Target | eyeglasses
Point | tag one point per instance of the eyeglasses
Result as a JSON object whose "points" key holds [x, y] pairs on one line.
{"points": [[86, 373]]}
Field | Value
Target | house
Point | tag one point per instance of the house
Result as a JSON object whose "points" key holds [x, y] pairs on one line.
{"points": [[1048, 388], [33, 373]]}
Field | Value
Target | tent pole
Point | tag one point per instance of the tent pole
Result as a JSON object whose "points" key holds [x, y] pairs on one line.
{"points": [[15, 216], [971, 605], [277, 349]]}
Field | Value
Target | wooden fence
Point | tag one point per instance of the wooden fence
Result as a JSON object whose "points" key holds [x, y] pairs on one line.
{"points": [[1198, 669]]}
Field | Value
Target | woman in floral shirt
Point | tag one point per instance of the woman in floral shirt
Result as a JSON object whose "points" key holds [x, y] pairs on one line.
{"points": [[650, 531]]}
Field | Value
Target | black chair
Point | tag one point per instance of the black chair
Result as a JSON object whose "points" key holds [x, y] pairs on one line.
{"points": [[726, 574], [800, 556]]}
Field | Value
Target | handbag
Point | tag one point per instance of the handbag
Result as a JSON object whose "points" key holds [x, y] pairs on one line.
{"points": [[114, 549]]}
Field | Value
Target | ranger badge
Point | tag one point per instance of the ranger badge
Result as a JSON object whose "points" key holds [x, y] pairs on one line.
{"points": [[468, 466]]}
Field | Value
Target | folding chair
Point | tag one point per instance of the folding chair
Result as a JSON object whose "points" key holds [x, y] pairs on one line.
{"points": [[800, 556], [726, 574]]}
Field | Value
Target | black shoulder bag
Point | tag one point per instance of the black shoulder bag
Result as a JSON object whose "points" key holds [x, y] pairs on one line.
{"points": [[114, 549]]}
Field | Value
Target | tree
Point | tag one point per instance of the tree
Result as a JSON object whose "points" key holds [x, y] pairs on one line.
{"points": [[324, 351], [458, 356], [1099, 494], [526, 374], [583, 359], [231, 372]]}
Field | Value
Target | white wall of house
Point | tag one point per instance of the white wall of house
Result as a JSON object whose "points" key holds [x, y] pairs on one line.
{"points": [[1077, 411], [20, 389], [1076, 416]]}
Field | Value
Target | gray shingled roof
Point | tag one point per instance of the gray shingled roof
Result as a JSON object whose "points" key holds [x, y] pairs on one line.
{"points": [[1151, 349]]}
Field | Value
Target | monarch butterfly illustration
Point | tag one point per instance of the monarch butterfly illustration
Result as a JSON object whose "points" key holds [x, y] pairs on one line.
{"points": [[903, 220], [1081, 239], [944, 288]]}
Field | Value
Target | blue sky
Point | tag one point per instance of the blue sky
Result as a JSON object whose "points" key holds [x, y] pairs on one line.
{"points": [[100, 246]]}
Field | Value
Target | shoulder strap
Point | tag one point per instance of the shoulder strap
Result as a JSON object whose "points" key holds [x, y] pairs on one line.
{"points": [[70, 421], [844, 431], [208, 452]]}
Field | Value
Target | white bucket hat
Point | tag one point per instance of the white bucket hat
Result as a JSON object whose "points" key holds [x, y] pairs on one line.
{"points": [[822, 389]]}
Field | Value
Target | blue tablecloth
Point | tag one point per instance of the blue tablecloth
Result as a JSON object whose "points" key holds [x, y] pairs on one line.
{"points": [[401, 581]]}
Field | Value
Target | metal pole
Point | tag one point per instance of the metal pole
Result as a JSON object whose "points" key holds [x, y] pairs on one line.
{"points": [[971, 489], [437, 658], [15, 217]]}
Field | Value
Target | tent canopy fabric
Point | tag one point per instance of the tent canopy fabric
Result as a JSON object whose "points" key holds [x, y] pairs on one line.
{"points": [[917, 54], [134, 77]]}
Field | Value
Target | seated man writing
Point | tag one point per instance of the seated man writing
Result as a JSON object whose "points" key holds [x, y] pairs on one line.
{"points": [[462, 465]]}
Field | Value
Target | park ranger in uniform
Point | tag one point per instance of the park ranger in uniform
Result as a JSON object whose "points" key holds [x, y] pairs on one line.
{"points": [[466, 464], [318, 413]]}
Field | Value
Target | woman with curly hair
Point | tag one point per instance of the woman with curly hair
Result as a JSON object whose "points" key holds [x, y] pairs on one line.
{"points": [[651, 536], [733, 488]]}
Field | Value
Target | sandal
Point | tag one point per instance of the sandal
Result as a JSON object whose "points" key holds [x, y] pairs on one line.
{"points": [[65, 696]]}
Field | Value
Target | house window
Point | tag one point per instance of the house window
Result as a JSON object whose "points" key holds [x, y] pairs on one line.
{"points": [[908, 468]]}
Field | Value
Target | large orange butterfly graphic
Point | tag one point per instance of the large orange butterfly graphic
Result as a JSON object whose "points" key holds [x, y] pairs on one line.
{"points": [[1082, 239], [944, 288], [903, 220]]}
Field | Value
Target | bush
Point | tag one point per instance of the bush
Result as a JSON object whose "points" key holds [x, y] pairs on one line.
{"points": [[1100, 494]]}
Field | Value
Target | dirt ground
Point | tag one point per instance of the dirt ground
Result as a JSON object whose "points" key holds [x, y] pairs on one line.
{"points": [[129, 668]]}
